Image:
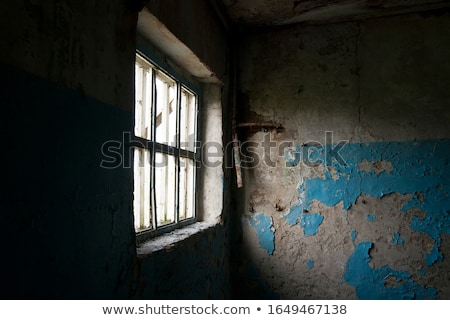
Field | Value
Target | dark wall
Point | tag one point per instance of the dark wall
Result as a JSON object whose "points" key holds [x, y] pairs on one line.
{"points": [[67, 230]]}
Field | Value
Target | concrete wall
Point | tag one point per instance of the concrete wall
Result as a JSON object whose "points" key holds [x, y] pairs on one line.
{"points": [[346, 190], [67, 229], [198, 28]]}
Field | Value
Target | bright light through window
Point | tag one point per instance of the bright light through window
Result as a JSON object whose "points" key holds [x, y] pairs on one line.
{"points": [[166, 152]]}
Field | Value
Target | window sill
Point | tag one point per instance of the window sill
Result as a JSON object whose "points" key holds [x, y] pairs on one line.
{"points": [[167, 241]]}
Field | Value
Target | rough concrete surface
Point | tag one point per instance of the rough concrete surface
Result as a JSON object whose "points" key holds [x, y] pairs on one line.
{"points": [[363, 210], [67, 90]]}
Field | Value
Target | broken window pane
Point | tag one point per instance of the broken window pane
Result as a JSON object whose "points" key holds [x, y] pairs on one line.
{"points": [[187, 120], [166, 110]]}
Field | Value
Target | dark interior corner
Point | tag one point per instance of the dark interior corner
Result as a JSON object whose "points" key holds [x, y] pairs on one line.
{"points": [[338, 112]]}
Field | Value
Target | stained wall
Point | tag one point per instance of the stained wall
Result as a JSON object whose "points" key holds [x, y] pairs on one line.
{"points": [[346, 149]]}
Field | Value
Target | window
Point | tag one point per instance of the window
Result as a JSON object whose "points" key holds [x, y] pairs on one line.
{"points": [[166, 154]]}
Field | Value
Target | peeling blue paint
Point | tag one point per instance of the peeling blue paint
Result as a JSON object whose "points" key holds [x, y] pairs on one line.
{"points": [[264, 229], [310, 222], [353, 234], [422, 272], [371, 217], [396, 239], [293, 157], [370, 283], [418, 167], [294, 215], [436, 203], [434, 255], [414, 202], [310, 264]]}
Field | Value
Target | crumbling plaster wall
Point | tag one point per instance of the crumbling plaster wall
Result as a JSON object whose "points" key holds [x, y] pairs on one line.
{"points": [[346, 185]]}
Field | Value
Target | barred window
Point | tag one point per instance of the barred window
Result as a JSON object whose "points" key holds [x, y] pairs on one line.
{"points": [[165, 158]]}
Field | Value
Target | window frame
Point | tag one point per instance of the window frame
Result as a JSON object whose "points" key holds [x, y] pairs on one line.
{"points": [[177, 152]]}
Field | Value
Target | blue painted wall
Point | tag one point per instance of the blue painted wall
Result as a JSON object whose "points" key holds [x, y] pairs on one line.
{"points": [[370, 283], [264, 231], [419, 167], [358, 182]]}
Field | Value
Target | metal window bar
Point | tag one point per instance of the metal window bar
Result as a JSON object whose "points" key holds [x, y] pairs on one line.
{"points": [[152, 194], [177, 198]]}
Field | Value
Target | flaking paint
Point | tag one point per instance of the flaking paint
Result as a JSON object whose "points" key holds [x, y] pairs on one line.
{"points": [[370, 282], [383, 86], [310, 222], [418, 167], [264, 229]]}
